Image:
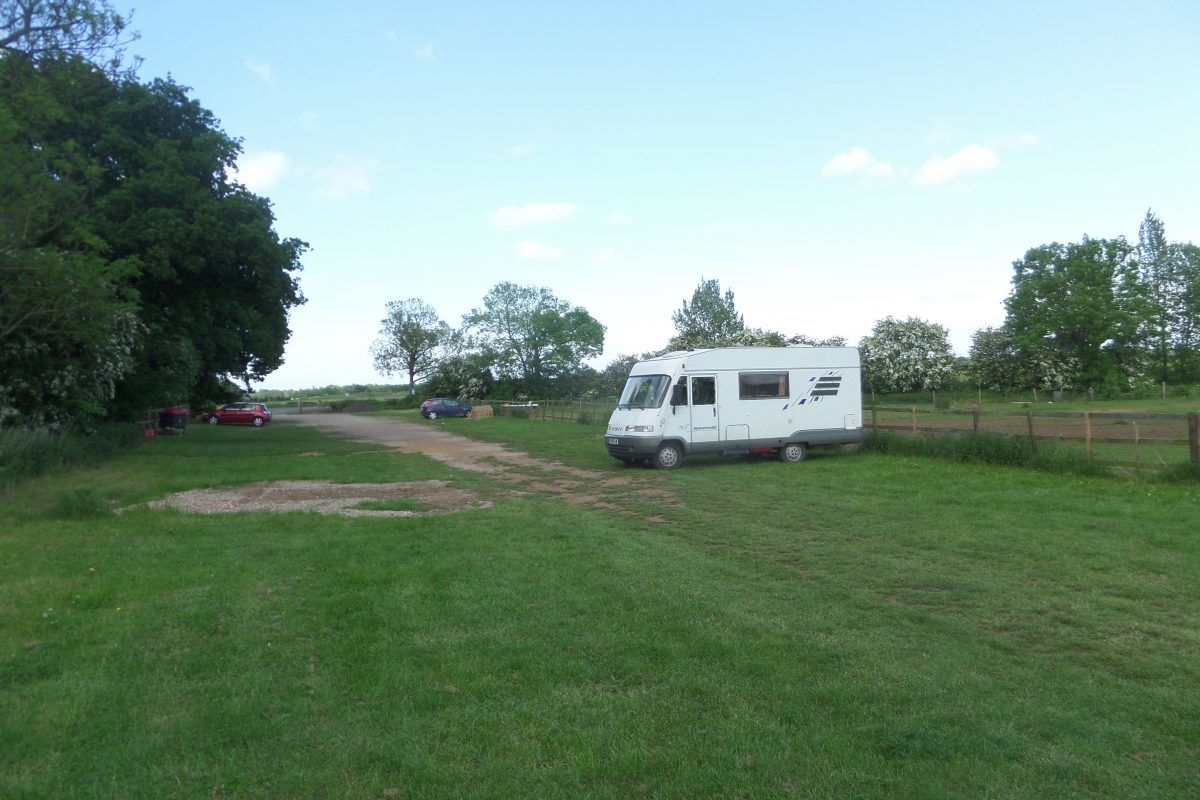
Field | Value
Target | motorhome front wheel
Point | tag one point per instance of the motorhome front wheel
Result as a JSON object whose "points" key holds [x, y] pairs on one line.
{"points": [[669, 456]]}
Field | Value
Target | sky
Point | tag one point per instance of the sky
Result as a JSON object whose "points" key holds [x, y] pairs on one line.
{"points": [[830, 163]]}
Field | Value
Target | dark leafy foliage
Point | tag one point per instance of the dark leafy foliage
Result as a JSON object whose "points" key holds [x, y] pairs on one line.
{"points": [[119, 214]]}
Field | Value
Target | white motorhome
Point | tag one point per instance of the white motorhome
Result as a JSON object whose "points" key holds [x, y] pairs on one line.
{"points": [[737, 400]]}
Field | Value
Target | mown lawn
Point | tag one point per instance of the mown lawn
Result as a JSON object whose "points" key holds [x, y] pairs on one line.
{"points": [[852, 626]]}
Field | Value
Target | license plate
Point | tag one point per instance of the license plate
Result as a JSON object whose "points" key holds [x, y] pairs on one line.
{"points": [[612, 440]]}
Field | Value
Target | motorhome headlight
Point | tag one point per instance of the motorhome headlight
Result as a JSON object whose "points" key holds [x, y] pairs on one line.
{"points": [[639, 428]]}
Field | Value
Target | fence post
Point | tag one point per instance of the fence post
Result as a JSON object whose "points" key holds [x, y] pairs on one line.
{"points": [[1087, 432], [1137, 448], [1194, 437], [975, 419], [914, 420], [1029, 419]]}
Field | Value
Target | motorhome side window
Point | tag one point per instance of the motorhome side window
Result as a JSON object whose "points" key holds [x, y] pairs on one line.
{"points": [[644, 391], [752, 385], [679, 392]]}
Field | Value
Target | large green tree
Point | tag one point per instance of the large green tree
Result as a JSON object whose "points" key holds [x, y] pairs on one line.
{"points": [[130, 180], [1160, 276], [994, 362], [709, 319], [1080, 303], [532, 336], [1186, 336], [409, 337], [91, 30]]}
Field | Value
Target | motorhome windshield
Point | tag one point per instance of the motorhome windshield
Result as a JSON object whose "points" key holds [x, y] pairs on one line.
{"points": [[644, 391]]}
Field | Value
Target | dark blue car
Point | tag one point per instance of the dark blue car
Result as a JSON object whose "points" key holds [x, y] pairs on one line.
{"points": [[444, 407]]}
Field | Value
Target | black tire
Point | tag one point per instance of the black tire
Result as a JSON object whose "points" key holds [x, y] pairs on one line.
{"points": [[431, 415], [213, 420], [258, 422], [467, 414], [792, 453], [669, 456]]}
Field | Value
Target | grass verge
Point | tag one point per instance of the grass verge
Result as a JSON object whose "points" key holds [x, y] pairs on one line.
{"points": [[851, 626]]}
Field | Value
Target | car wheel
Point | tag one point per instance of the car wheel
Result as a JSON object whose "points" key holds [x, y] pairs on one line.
{"points": [[431, 415], [258, 422], [792, 453], [669, 456], [467, 413], [213, 420]]}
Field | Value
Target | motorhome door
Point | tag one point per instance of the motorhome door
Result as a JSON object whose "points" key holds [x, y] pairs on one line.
{"points": [[704, 408]]}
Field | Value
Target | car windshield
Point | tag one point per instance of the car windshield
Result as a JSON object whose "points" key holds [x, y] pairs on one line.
{"points": [[644, 391]]}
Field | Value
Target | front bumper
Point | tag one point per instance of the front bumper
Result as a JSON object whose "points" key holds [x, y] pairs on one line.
{"points": [[625, 447]]}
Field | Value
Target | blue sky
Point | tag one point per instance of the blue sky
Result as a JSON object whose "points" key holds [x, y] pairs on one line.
{"points": [[831, 163]]}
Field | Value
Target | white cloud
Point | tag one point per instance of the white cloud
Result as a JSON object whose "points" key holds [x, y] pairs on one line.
{"points": [[604, 257], [344, 177], [536, 251], [259, 171], [424, 52], [261, 69], [857, 161], [513, 217], [619, 218], [970, 160], [522, 150]]}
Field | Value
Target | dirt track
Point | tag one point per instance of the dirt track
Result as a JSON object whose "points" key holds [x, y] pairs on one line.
{"points": [[591, 488]]}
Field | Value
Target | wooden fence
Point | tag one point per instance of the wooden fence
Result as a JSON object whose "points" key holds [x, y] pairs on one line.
{"points": [[1112, 438], [561, 410]]}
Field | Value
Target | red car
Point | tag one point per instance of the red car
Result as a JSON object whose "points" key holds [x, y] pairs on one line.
{"points": [[256, 414]]}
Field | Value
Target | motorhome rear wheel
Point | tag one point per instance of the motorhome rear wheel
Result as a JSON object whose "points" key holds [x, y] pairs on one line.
{"points": [[792, 452]]}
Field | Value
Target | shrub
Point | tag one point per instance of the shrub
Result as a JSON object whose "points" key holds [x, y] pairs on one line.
{"points": [[29, 452], [400, 403], [80, 504], [1180, 473]]}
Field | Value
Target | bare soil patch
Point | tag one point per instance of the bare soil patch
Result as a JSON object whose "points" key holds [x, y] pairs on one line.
{"points": [[323, 497]]}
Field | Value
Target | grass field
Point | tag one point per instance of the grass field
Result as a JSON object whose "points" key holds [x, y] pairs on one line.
{"points": [[853, 626]]}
